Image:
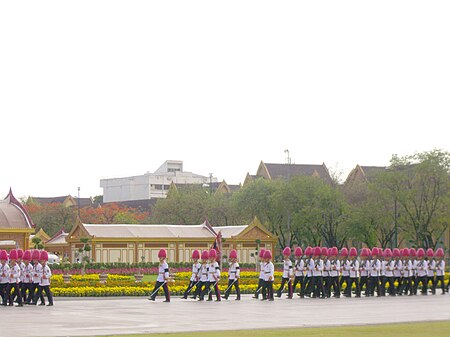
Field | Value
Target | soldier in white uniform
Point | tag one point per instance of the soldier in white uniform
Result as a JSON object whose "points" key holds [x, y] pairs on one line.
{"points": [[14, 279], [37, 269], [45, 275], [335, 267], [364, 270], [307, 288], [374, 274], [407, 273], [422, 269], [203, 276], [440, 269], [389, 271], [261, 276], [194, 281], [287, 273], [213, 277], [316, 266], [233, 276], [27, 277], [4, 276], [398, 270], [163, 277], [343, 257], [299, 268], [431, 270], [269, 271], [353, 269]]}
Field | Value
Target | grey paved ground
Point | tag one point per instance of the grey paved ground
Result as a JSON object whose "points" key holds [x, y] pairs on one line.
{"points": [[86, 317]]}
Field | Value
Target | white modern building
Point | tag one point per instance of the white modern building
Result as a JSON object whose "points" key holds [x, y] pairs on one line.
{"points": [[150, 185]]}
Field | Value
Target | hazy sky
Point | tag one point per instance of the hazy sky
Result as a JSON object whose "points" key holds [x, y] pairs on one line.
{"points": [[103, 89]]}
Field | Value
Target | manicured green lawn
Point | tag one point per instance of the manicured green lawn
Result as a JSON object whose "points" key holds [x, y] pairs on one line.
{"points": [[428, 329]]}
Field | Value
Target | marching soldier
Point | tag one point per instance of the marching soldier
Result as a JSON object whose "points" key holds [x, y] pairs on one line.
{"points": [[213, 276], [307, 282], [261, 275], [194, 280], [365, 270], [287, 273], [233, 276], [45, 275], [268, 275], [398, 270], [299, 266], [375, 269], [407, 274], [37, 269], [440, 269], [413, 259], [316, 266], [345, 273], [335, 267], [431, 269], [163, 277], [14, 279], [389, 271], [353, 269], [4, 276], [422, 269], [325, 272], [27, 277], [203, 276]]}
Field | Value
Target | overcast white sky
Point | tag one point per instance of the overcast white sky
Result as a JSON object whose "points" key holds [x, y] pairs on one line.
{"points": [[102, 89]]}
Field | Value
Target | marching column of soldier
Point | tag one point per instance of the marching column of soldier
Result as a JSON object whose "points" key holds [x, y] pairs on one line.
{"points": [[322, 272], [24, 277]]}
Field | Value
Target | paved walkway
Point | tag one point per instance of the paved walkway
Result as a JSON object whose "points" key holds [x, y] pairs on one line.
{"points": [[102, 316]]}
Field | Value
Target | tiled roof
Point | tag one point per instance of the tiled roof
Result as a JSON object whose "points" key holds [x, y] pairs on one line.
{"points": [[229, 231], [13, 215], [291, 170]]}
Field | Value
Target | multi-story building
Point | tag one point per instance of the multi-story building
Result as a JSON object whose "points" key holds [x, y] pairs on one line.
{"points": [[150, 185]]}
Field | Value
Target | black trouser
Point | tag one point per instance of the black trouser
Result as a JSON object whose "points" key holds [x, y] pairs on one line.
{"points": [[16, 292], [3, 287], [283, 283], [33, 291], [199, 289], [268, 288], [306, 286], [317, 286], [189, 289], [260, 289], [208, 291], [352, 280], [374, 282], [344, 279], [399, 280], [48, 293], [297, 280], [335, 285], [364, 282], [234, 283], [440, 278], [424, 281], [158, 285], [433, 284], [25, 287], [327, 286], [407, 286], [385, 280]]}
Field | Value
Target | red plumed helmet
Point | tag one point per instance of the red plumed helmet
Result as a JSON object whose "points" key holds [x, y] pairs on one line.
{"points": [[387, 252], [196, 254], [375, 251], [268, 254], [205, 255], [317, 251], [344, 252], [19, 253], [396, 252], [27, 256], [353, 252], [233, 254], [420, 252], [430, 252], [439, 253], [3, 255], [212, 254], [287, 251], [43, 256], [334, 251], [308, 251], [412, 252], [298, 252], [35, 255], [364, 252], [261, 253], [330, 252], [405, 252], [13, 254], [324, 251], [162, 254]]}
